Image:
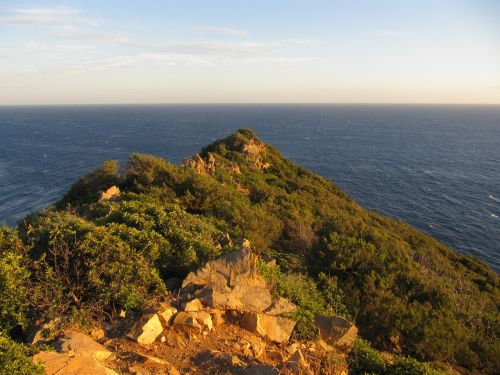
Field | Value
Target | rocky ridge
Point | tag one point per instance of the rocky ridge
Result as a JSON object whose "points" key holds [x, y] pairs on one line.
{"points": [[224, 317]]}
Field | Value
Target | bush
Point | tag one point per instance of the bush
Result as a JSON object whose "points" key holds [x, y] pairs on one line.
{"points": [[81, 268], [14, 279], [16, 358], [366, 360]]}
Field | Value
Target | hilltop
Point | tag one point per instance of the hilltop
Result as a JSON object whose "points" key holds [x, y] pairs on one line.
{"points": [[123, 239]]}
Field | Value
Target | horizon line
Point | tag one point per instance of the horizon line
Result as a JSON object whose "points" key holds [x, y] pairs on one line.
{"points": [[252, 103]]}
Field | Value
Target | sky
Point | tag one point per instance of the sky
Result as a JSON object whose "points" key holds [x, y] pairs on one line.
{"points": [[259, 51]]}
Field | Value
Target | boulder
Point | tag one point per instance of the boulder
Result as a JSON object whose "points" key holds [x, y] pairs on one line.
{"points": [[193, 305], [297, 364], [82, 345], [77, 354], [165, 314], [186, 321], [217, 317], [230, 282], [112, 193], [337, 331], [281, 306], [70, 364], [203, 318], [274, 328], [146, 330]]}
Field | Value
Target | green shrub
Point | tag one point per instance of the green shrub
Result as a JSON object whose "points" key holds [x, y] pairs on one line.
{"points": [[77, 266], [365, 360], [87, 188], [14, 279], [16, 358]]}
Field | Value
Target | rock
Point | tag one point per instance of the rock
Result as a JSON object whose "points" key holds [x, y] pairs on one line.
{"points": [[254, 151], [298, 364], [257, 345], [230, 282], [112, 193], [97, 334], [186, 321], [82, 345], [274, 328], [203, 318], [337, 331], [165, 313], [203, 166], [281, 306], [146, 330], [175, 341], [217, 317], [194, 305], [274, 356], [71, 364]]}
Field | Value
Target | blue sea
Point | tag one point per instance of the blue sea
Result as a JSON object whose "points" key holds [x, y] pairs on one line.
{"points": [[434, 167]]}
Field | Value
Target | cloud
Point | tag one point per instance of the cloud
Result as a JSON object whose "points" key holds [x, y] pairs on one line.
{"points": [[221, 30], [46, 16], [189, 54], [388, 33], [302, 41], [72, 32]]}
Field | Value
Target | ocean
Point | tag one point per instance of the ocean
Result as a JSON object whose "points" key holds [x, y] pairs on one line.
{"points": [[434, 167]]}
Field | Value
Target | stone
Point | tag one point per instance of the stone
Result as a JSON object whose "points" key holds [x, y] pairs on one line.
{"points": [[165, 314], [298, 364], [186, 321], [80, 344], [112, 193], [146, 330], [203, 318], [274, 328], [71, 364], [175, 341], [337, 331], [217, 317], [194, 305], [230, 282], [97, 333], [281, 306]]}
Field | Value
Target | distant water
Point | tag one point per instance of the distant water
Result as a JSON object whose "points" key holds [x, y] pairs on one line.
{"points": [[435, 167]]}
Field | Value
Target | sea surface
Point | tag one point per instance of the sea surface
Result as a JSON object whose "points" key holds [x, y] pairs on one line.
{"points": [[434, 167]]}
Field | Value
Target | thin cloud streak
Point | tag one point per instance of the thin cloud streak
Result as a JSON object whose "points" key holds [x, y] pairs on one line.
{"points": [[46, 16], [221, 30]]}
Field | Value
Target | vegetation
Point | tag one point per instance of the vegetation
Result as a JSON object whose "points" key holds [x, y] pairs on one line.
{"points": [[409, 294], [15, 358]]}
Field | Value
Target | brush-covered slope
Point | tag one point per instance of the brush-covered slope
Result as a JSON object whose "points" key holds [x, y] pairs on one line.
{"points": [[408, 293]]}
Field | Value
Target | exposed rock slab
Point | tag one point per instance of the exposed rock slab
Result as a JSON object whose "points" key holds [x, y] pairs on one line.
{"points": [[146, 330], [77, 343], [230, 282], [70, 364], [274, 328], [337, 331]]}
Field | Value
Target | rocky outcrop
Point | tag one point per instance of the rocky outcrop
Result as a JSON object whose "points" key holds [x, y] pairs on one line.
{"points": [[254, 151], [230, 282], [76, 354], [274, 328], [112, 193], [337, 331], [203, 166]]}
